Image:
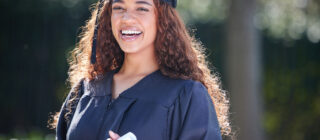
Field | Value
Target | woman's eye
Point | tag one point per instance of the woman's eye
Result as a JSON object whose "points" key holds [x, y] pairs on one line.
{"points": [[143, 9], [117, 8]]}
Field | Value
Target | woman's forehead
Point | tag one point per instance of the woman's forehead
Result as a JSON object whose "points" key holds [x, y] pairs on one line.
{"points": [[134, 1]]}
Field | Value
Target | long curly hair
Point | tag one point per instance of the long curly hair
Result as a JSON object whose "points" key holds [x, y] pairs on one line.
{"points": [[178, 54]]}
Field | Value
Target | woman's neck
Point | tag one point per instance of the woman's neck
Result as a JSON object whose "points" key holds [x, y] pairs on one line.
{"points": [[139, 63]]}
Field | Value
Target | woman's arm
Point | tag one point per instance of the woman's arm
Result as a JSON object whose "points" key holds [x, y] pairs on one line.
{"points": [[63, 123], [197, 116]]}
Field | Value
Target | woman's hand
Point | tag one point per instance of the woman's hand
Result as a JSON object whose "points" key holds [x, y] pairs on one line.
{"points": [[113, 136]]}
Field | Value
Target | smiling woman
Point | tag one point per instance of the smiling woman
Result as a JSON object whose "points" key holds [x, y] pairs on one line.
{"points": [[134, 25], [136, 69]]}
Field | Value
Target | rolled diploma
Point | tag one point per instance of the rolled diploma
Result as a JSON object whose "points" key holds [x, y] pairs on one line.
{"points": [[128, 136]]}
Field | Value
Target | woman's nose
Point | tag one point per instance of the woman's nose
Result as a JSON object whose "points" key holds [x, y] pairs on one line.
{"points": [[127, 16]]}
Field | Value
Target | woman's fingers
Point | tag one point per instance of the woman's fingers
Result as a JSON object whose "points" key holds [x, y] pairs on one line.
{"points": [[113, 136]]}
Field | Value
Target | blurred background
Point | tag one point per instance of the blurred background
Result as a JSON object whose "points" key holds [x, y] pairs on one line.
{"points": [[266, 53]]}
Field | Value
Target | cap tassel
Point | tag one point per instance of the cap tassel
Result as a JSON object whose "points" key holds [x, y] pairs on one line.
{"points": [[95, 34]]}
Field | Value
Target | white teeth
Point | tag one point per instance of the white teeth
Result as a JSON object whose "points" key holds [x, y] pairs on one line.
{"points": [[130, 32]]}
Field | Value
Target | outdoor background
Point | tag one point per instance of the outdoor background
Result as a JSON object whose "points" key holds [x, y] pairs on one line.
{"points": [[267, 54]]}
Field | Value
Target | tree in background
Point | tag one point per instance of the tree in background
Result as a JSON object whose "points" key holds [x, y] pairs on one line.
{"points": [[289, 86]]}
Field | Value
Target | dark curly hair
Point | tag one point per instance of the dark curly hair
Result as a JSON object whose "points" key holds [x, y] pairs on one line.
{"points": [[178, 54]]}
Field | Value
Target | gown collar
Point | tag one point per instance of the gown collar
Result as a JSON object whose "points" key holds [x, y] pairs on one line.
{"points": [[102, 86]]}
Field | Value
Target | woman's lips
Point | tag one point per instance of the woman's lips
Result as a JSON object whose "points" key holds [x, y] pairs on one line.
{"points": [[130, 35]]}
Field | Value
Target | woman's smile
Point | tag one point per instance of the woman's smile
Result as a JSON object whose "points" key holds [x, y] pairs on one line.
{"points": [[130, 34]]}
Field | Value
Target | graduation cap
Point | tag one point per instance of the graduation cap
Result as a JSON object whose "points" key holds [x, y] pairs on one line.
{"points": [[173, 3]]}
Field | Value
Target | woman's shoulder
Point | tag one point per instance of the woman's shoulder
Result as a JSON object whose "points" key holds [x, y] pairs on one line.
{"points": [[192, 88], [182, 85], [169, 90], [178, 83], [97, 86], [76, 89]]}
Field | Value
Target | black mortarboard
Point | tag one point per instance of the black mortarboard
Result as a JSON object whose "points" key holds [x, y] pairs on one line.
{"points": [[173, 3]]}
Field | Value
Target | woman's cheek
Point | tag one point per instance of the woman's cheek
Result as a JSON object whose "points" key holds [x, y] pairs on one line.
{"points": [[114, 22]]}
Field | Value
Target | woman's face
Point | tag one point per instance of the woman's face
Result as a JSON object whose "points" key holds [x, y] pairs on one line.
{"points": [[134, 24]]}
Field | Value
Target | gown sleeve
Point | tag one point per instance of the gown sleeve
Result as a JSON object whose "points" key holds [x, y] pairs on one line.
{"points": [[195, 116], [62, 124]]}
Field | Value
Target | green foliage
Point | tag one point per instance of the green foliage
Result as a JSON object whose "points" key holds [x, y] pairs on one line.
{"points": [[202, 11], [292, 91], [282, 19], [32, 135], [290, 19]]}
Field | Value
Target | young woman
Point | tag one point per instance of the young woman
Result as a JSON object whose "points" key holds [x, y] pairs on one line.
{"points": [[136, 69]]}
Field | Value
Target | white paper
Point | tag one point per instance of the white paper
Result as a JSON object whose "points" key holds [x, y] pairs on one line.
{"points": [[128, 136]]}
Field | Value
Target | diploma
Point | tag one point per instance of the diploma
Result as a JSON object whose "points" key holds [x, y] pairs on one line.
{"points": [[128, 136]]}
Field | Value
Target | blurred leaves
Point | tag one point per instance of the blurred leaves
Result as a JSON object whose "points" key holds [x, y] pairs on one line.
{"points": [[292, 90], [285, 19], [201, 11], [290, 19]]}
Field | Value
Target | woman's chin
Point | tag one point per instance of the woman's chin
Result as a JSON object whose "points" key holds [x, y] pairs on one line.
{"points": [[129, 49]]}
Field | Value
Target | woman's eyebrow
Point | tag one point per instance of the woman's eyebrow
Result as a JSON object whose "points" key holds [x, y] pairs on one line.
{"points": [[143, 2], [117, 1], [137, 2]]}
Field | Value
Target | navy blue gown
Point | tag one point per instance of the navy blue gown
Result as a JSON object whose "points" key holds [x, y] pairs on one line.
{"points": [[155, 108]]}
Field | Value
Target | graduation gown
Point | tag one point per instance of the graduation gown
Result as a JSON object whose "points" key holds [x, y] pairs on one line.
{"points": [[155, 108]]}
